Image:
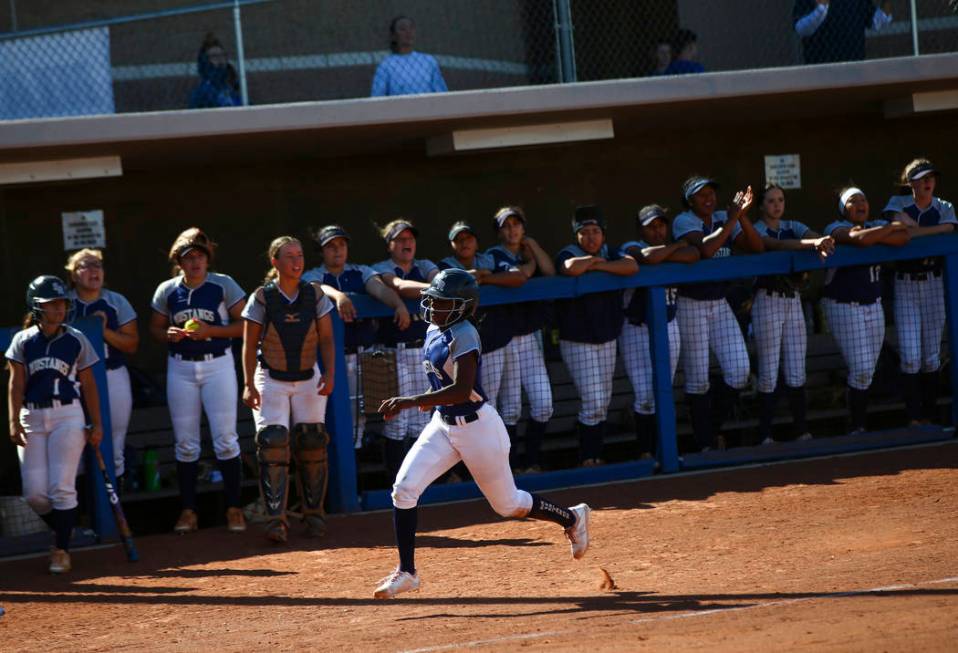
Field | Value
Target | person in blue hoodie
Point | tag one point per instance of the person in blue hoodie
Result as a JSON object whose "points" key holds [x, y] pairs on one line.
{"points": [[218, 85]]}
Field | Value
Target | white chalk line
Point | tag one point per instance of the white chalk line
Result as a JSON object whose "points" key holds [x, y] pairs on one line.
{"points": [[683, 615]]}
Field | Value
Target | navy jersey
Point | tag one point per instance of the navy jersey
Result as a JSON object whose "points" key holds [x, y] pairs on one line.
{"points": [[51, 364], [595, 317], [527, 317], [636, 299], [495, 324], [939, 212], [442, 349], [686, 223], [853, 283], [352, 279], [209, 302], [787, 230], [389, 333], [118, 312]]}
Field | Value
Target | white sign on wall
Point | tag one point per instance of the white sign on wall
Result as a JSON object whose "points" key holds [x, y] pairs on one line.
{"points": [[83, 229], [784, 170]]}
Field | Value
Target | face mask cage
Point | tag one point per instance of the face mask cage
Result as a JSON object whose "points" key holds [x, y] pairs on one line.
{"points": [[452, 315]]}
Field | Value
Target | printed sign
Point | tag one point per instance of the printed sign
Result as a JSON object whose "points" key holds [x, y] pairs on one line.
{"points": [[83, 229], [784, 170]]}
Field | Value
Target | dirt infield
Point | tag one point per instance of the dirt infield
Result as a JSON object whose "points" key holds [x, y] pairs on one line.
{"points": [[853, 553]]}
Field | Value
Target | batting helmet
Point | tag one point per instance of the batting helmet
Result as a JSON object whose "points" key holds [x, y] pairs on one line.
{"points": [[452, 284], [43, 289]]}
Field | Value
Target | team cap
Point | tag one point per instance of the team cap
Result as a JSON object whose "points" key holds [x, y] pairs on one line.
{"points": [[505, 213], [587, 215], [693, 185], [458, 228], [398, 228], [651, 213], [330, 232], [189, 247], [921, 170]]}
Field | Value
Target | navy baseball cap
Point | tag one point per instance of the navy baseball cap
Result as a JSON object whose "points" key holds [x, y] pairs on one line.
{"points": [[400, 227], [693, 185], [505, 213], [651, 213], [330, 232], [921, 170], [586, 215], [458, 228]]}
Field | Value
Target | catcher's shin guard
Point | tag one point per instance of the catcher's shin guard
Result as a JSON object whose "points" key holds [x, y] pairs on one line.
{"points": [[312, 466], [272, 453]]}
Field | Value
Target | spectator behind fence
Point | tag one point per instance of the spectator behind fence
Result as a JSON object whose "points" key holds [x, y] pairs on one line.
{"points": [[706, 320], [685, 48], [835, 30], [405, 71], [589, 326], [652, 247], [661, 58], [219, 86], [919, 291], [517, 250], [852, 297]]}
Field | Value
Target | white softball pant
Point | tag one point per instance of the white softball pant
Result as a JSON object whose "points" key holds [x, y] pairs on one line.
{"points": [[780, 339], [859, 331], [412, 380], [209, 385], [634, 345], [920, 319], [48, 464], [526, 357], [710, 324], [591, 367], [496, 375], [281, 399], [482, 445], [121, 407]]}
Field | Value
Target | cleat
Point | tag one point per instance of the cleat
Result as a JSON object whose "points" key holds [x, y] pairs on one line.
{"points": [[315, 525], [397, 583], [276, 531], [59, 561], [187, 522], [235, 522], [804, 437], [769, 440], [578, 533]]}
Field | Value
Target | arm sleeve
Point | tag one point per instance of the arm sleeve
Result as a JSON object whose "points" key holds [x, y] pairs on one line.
{"points": [[87, 356], [426, 267], [375, 271], [761, 228], [124, 310], [685, 224], [380, 81], [255, 311], [159, 299], [830, 229], [808, 24], [800, 229], [895, 204], [464, 340], [232, 293], [15, 350], [324, 304]]}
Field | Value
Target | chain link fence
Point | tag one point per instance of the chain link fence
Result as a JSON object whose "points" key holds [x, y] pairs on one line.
{"points": [[72, 58]]}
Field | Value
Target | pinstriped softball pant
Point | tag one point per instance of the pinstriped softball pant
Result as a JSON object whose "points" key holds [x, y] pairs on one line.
{"points": [[710, 324], [859, 331], [412, 380], [529, 371], [591, 367], [920, 321], [634, 345], [780, 339]]}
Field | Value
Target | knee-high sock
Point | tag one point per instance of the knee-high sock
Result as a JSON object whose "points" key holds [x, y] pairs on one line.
{"points": [[395, 451], [911, 390], [512, 430], [929, 396], [766, 412], [232, 471], [534, 434], [858, 407], [797, 404], [590, 440], [645, 435], [548, 511], [186, 477], [63, 521], [700, 413], [404, 523]]}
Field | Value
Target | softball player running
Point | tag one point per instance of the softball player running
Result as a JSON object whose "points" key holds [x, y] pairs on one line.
{"points": [[120, 338], [525, 367], [339, 279], [49, 364], [706, 320], [408, 276], [919, 292], [196, 313], [589, 326], [777, 317], [852, 297], [654, 247], [287, 321], [463, 427]]}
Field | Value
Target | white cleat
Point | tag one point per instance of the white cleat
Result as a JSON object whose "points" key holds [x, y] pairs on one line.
{"points": [[578, 533], [397, 583], [768, 441]]}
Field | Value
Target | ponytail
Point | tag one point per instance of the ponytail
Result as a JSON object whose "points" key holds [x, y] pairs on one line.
{"points": [[274, 250]]}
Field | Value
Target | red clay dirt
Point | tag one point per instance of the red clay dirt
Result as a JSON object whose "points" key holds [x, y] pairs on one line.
{"points": [[854, 553]]}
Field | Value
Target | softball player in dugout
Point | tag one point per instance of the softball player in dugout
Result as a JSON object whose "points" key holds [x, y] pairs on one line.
{"points": [[196, 313], [89, 296], [525, 366], [407, 276], [463, 427], [652, 248], [778, 321], [919, 289], [706, 320], [852, 297], [339, 279], [286, 322], [588, 345], [50, 364]]}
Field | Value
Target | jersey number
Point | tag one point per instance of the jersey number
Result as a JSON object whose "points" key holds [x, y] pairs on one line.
{"points": [[56, 387], [670, 296], [874, 273]]}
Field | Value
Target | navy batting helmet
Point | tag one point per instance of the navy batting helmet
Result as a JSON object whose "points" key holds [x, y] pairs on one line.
{"points": [[43, 289], [456, 285]]}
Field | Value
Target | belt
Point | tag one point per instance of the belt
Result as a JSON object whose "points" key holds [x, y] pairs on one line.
{"points": [[917, 276], [787, 294], [50, 403], [459, 420], [411, 344], [842, 301], [198, 357]]}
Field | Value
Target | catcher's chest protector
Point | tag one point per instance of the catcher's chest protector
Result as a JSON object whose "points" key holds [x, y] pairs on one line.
{"points": [[290, 339]]}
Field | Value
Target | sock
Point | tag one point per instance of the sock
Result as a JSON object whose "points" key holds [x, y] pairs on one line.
{"points": [[929, 396], [723, 405], [512, 430], [548, 511], [911, 389], [404, 524], [766, 404], [796, 401], [232, 470], [394, 453], [858, 407], [186, 477], [63, 523], [700, 408], [645, 434], [534, 433]]}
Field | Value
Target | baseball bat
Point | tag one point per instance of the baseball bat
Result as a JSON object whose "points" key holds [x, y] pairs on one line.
{"points": [[126, 535]]}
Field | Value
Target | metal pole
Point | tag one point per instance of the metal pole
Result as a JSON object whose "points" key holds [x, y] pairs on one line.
{"points": [[914, 26], [657, 321], [13, 15], [240, 54], [951, 326], [566, 45]]}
